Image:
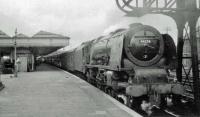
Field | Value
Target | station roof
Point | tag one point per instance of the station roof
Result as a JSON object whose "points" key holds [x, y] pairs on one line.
{"points": [[21, 35], [3, 35], [42, 43], [44, 34]]}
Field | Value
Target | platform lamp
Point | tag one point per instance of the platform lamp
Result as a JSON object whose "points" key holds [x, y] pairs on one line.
{"points": [[15, 53]]}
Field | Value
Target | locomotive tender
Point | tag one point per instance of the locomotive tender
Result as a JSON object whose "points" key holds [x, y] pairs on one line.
{"points": [[132, 63]]}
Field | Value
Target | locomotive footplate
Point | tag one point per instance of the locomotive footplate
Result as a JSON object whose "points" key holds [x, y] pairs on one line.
{"points": [[123, 84], [139, 90]]}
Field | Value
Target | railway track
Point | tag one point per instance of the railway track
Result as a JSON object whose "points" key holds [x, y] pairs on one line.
{"points": [[164, 113]]}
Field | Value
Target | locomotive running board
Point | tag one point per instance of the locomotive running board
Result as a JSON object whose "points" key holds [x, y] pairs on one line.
{"points": [[108, 68]]}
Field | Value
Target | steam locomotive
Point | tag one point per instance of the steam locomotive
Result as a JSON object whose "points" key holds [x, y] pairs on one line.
{"points": [[133, 65]]}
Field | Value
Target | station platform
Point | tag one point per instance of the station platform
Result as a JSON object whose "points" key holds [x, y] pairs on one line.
{"points": [[51, 92]]}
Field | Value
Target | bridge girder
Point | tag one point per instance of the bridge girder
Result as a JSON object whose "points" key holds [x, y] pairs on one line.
{"points": [[183, 12]]}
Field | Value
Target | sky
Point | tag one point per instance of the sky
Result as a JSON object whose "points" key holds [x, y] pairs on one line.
{"points": [[81, 20]]}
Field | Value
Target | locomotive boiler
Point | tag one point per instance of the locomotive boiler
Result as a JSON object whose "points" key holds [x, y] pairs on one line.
{"points": [[135, 63]]}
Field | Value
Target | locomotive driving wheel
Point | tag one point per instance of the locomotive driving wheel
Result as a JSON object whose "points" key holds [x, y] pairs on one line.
{"points": [[129, 102], [88, 76], [100, 80]]}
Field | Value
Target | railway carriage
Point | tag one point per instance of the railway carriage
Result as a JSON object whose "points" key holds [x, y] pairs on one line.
{"points": [[67, 60]]}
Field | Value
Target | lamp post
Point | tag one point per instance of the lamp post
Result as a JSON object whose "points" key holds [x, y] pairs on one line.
{"points": [[15, 53]]}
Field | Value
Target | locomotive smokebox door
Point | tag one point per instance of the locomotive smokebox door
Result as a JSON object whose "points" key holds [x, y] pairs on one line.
{"points": [[144, 45]]}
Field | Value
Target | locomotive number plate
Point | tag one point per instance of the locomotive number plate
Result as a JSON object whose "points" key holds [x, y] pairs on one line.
{"points": [[146, 41]]}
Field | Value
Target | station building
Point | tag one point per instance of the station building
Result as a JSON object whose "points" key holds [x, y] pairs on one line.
{"points": [[28, 48]]}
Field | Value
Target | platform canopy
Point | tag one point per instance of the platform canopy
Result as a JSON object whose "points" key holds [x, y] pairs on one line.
{"points": [[40, 43], [21, 35], [3, 35], [40, 39], [44, 34]]}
